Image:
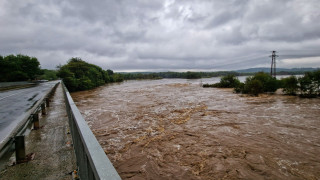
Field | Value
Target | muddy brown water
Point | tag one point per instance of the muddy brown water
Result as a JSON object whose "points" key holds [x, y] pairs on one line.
{"points": [[175, 129]]}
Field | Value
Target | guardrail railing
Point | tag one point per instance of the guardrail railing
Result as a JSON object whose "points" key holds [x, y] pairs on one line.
{"points": [[92, 161], [15, 140]]}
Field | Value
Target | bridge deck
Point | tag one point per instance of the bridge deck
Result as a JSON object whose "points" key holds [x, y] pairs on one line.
{"points": [[54, 156]]}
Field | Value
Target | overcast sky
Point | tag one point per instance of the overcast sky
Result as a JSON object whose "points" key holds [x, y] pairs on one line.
{"points": [[162, 35]]}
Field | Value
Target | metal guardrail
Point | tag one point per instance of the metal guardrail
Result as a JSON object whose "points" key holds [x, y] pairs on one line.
{"points": [[23, 125], [92, 161]]}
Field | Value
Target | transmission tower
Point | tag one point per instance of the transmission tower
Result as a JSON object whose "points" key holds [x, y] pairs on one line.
{"points": [[273, 63]]}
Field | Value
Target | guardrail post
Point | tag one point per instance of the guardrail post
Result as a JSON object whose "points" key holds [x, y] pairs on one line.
{"points": [[22, 127], [20, 149], [36, 122], [43, 108], [47, 102]]}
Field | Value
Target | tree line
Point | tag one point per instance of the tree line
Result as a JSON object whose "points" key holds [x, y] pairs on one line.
{"points": [[181, 75], [193, 75], [79, 75], [19, 68], [306, 86], [76, 74]]}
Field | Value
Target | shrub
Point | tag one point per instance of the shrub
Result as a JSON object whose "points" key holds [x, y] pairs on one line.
{"points": [[308, 86], [228, 81], [259, 83], [79, 75], [316, 79], [290, 85], [253, 86], [207, 85], [239, 88], [269, 83]]}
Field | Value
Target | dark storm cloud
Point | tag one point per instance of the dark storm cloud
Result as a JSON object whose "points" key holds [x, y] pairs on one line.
{"points": [[163, 34]]}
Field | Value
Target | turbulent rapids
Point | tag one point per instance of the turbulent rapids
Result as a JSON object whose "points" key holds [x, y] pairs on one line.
{"points": [[175, 129]]}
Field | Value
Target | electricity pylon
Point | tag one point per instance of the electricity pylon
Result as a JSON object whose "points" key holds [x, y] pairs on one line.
{"points": [[273, 64]]}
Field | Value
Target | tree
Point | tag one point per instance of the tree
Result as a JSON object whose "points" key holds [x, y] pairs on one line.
{"points": [[259, 83], [269, 83], [307, 85], [110, 72], [229, 81], [117, 78], [48, 74], [239, 88], [290, 85], [316, 80], [253, 86], [19, 68], [192, 75], [79, 75], [29, 65]]}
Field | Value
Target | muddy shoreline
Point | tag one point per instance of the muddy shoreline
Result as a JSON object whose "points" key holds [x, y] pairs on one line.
{"points": [[174, 129]]}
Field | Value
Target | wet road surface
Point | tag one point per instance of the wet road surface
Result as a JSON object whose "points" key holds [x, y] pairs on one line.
{"points": [[175, 129], [51, 146], [14, 104]]}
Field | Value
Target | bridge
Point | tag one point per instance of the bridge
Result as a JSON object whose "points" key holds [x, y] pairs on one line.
{"points": [[42, 122]]}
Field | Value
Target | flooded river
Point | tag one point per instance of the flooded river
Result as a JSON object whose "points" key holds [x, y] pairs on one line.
{"points": [[175, 129]]}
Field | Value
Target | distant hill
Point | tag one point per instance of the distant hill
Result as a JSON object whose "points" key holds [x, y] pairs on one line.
{"points": [[254, 70], [280, 71], [136, 72]]}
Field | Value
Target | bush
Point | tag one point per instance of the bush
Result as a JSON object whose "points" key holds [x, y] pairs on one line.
{"points": [[48, 75], [269, 83], [17, 76], [79, 75], [259, 83], [207, 85], [308, 85], [228, 81], [316, 79], [253, 86], [239, 88], [290, 85], [193, 75]]}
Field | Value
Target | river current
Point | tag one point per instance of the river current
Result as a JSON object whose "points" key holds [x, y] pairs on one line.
{"points": [[175, 129]]}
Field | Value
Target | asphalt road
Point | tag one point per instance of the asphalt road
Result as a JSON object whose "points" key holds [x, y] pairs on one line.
{"points": [[14, 105]]}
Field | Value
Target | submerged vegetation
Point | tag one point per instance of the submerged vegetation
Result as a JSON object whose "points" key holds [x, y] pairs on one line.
{"points": [[259, 83], [305, 86], [290, 85], [79, 75], [309, 84], [228, 81]]}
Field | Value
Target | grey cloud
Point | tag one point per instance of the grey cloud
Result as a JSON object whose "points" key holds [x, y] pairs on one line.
{"points": [[141, 34]]}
